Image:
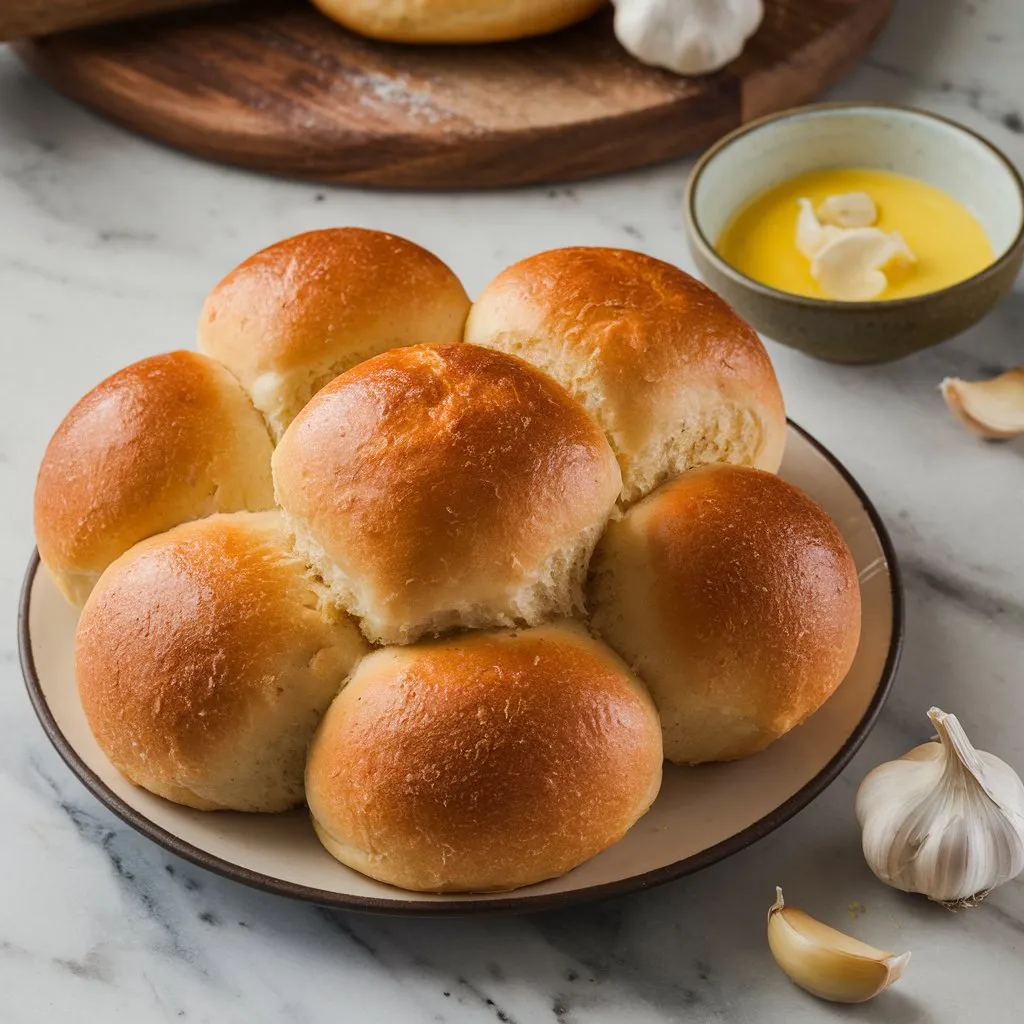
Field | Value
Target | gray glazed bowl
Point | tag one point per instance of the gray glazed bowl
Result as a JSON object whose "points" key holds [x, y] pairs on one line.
{"points": [[765, 153]]}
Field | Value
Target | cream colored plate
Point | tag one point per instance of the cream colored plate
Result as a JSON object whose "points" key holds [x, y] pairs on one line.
{"points": [[702, 814]]}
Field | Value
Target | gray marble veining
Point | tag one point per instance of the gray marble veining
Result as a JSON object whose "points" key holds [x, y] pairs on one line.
{"points": [[107, 246]]}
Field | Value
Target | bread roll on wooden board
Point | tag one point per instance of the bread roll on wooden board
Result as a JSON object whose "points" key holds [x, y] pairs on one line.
{"points": [[456, 21], [275, 86], [24, 19]]}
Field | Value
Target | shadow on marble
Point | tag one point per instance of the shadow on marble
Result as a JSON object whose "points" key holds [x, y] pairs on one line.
{"points": [[892, 1008], [904, 50], [34, 113]]}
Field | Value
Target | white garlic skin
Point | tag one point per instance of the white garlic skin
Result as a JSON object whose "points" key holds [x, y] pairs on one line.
{"points": [[945, 820], [825, 962], [993, 409], [690, 37]]}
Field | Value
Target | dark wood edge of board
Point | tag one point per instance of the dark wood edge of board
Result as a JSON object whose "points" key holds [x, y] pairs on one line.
{"points": [[548, 154]]}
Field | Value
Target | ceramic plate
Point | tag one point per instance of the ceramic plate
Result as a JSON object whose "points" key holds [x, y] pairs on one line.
{"points": [[701, 815]]}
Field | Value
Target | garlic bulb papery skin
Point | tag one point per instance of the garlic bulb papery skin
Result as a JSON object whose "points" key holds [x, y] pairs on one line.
{"points": [[993, 409], [690, 37], [945, 820]]}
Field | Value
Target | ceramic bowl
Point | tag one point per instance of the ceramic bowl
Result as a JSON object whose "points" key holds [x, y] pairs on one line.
{"points": [[768, 152]]}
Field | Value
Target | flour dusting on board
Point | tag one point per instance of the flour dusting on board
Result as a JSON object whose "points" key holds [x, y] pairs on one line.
{"points": [[381, 91]]}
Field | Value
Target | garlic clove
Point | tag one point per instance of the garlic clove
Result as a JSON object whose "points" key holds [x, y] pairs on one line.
{"points": [[847, 266], [826, 962], [848, 210], [993, 408]]}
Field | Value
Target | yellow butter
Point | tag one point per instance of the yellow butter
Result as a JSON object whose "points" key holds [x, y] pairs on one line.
{"points": [[948, 242]]}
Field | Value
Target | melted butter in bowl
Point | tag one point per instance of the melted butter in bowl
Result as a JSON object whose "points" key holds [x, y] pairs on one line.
{"points": [[947, 241], [949, 208]]}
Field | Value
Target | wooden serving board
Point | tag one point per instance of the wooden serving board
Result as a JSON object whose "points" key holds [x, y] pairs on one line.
{"points": [[274, 85]]}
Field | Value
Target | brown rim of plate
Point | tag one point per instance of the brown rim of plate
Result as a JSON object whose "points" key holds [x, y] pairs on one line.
{"points": [[810, 301], [503, 904]]}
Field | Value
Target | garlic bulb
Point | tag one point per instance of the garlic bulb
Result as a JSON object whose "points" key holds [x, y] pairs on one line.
{"points": [[690, 37], [826, 962], [945, 820]]}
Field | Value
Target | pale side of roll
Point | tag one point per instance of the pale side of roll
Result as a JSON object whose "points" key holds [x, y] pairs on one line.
{"points": [[456, 21], [735, 598], [484, 762], [168, 439], [205, 658], [447, 486], [672, 374], [293, 316]]}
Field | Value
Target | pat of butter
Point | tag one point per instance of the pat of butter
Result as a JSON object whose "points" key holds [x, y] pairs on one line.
{"points": [[811, 234], [849, 210], [853, 265], [849, 258]]}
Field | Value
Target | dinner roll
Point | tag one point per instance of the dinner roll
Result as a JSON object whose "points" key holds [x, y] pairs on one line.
{"points": [[163, 441], [295, 315], [205, 658], [673, 375], [484, 762], [440, 486], [735, 598], [456, 21]]}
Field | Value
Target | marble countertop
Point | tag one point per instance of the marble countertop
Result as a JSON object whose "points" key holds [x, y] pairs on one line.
{"points": [[107, 246]]}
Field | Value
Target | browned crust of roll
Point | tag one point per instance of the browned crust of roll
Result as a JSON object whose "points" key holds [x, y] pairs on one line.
{"points": [[456, 21], [204, 659], [485, 762], [670, 371], [296, 314], [165, 440], [441, 477], [735, 598]]}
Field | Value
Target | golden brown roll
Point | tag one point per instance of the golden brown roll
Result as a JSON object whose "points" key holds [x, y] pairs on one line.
{"points": [[205, 658], [484, 762], [735, 598], [456, 21], [163, 441], [298, 313], [673, 375], [440, 486]]}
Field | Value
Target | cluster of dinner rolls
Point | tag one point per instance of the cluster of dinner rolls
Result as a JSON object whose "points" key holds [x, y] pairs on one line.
{"points": [[361, 459]]}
